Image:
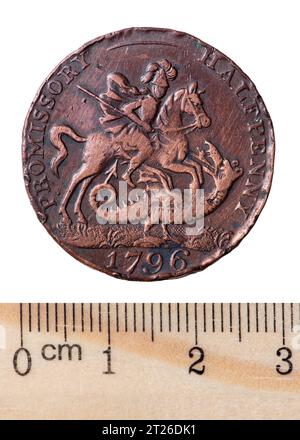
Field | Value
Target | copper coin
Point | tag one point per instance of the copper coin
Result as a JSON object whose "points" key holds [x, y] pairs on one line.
{"points": [[148, 154]]}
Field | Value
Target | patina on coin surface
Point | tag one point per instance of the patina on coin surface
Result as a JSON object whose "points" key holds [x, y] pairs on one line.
{"points": [[150, 109]]}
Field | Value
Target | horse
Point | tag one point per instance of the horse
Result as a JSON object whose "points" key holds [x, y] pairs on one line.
{"points": [[99, 148], [172, 154]]}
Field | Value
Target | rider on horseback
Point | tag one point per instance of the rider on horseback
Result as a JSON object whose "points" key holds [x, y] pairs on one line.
{"points": [[130, 112]]}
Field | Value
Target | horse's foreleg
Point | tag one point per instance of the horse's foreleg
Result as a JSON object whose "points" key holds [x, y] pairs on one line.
{"points": [[165, 178], [198, 169], [182, 168], [77, 206]]}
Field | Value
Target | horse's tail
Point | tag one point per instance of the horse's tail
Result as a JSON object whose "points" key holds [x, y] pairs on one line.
{"points": [[55, 137]]}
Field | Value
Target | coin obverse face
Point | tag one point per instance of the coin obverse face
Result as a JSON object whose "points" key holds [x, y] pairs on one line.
{"points": [[148, 154]]}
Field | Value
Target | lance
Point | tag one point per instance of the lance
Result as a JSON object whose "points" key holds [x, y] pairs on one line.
{"points": [[88, 92]]}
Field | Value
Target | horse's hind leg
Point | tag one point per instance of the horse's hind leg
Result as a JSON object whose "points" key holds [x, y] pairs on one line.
{"points": [[84, 172], [77, 206], [144, 152]]}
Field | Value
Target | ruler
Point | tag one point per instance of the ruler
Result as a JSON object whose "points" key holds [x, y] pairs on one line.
{"points": [[150, 361]]}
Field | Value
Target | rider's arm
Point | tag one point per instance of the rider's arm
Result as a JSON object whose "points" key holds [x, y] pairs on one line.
{"points": [[128, 109]]}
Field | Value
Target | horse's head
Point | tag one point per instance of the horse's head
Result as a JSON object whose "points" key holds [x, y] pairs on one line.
{"points": [[193, 105]]}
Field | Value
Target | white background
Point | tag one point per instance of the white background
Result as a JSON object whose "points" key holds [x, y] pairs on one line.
{"points": [[262, 37]]}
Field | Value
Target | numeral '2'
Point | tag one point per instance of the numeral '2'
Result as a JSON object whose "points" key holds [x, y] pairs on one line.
{"points": [[195, 367]]}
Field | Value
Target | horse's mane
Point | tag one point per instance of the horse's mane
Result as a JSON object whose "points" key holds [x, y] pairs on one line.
{"points": [[163, 115]]}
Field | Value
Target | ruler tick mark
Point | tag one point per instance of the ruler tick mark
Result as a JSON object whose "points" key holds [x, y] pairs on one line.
{"points": [[292, 317], [29, 317], [74, 317], [126, 318], [152, 323], [178, 317], [187, 317], [274, 318], [266, 318], [56, 316], [82, 317], [230, 317], [240, 321], [65, 322], [134, 317], [257, 317], [21, 325], [108, 325], [117, 318], [283, 323], [196, 323], [47, 317], [39, 317], [248, 318], [143, 316], [160, 317], [222, 317], [91, 318], [100, 317]]}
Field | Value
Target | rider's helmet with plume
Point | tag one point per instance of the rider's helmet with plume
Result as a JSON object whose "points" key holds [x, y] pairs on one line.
{"points": [[157, 76]]}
